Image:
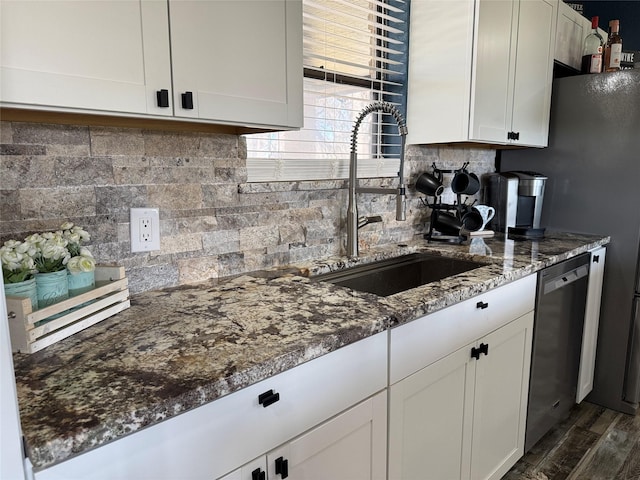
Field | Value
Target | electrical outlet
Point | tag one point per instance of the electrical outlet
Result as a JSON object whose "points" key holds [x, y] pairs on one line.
{"points": [[145, 229]]}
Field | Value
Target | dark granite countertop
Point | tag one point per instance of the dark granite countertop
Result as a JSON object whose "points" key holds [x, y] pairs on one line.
{"points": [[178, 348]]}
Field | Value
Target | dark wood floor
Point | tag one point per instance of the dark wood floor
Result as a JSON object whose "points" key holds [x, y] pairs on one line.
{"points": [[594, 443]]}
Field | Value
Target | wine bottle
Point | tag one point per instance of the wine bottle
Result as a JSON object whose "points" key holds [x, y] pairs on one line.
{"points": [[613, 50], [592, 50]]}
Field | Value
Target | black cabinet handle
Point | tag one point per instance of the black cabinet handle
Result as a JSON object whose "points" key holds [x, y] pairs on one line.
{"points": [[596, 259], [282, 467], [163, 98], [187, 100], [482, 305], [513, 135], [476, 352], [267, 398], [258, 474]]}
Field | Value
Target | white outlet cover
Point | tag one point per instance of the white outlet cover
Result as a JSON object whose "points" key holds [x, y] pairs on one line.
{"points": [[145, 229]]}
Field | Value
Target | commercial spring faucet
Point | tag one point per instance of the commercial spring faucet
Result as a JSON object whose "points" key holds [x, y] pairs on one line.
{"points": [[353, 222]]}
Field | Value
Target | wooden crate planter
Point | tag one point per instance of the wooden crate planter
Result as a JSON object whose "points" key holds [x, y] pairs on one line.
{"points": [[32, 331]]}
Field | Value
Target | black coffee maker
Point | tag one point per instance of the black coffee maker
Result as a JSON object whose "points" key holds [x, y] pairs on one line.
{"points": [[517, 197]]}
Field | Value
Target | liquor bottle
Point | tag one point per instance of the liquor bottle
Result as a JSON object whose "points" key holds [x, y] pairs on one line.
{"points": [[613, 50], [592, 51]]}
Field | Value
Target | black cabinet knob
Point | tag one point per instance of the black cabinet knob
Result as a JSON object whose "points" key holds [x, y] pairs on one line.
{"points": [[268, 398], [187, 100], [282, 467], [596, 259], [163, 98], [476, 352], [482, 305]]}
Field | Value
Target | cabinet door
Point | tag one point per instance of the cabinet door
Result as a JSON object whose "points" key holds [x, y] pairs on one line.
{"points": [[239, 61], [97, 55], [569, 36], [591, 322], [440, 57], [534, 72], [492, 87], [500, 403], [514, 70], [430, 420], [255, 470], [352, 445]]}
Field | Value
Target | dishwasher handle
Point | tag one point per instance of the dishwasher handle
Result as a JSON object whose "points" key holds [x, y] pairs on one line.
{"points": [[564, 279]]}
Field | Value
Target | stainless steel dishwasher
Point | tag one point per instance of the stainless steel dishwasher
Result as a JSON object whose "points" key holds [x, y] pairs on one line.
{"points": [[557, 339]]}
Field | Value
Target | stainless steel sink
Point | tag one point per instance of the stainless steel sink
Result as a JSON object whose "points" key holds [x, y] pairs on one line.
{"points": [[394, 275]]}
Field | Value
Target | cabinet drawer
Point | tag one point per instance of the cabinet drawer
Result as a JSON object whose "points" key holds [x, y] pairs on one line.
{"points": [[425, 340], [211, 440]]}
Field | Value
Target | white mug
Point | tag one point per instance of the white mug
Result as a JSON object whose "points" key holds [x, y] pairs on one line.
{"points": [[487, 213]]}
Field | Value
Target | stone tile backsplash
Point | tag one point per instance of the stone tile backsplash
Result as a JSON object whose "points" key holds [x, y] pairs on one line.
{"points": [[213, 223]]}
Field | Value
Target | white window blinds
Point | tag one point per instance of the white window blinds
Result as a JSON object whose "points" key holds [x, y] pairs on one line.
{"points": [[354, 54]]}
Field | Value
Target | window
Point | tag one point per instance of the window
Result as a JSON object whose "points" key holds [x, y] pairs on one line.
{"points": [[354, 54]]}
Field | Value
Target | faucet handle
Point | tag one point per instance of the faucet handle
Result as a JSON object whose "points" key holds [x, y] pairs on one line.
{"points": [[362, 221]]}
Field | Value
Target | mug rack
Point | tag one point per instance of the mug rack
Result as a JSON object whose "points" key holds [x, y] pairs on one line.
{"points": [[458, 207]]}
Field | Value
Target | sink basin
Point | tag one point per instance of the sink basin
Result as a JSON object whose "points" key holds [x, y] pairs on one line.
{"points": [[394, 275]]}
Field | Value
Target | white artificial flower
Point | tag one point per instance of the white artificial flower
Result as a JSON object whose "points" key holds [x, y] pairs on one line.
{"points": [[11, 259], [72, 237], [17, 264], [12, 243], [81, 264], [83, 234]]}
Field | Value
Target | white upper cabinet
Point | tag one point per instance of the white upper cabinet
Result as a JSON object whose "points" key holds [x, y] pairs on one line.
{"points": [[241, 61], [234, 63], [572, 29], [98, 55], [481, 71]]}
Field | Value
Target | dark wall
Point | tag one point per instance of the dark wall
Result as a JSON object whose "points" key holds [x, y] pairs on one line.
{"points": [[628, 12]]}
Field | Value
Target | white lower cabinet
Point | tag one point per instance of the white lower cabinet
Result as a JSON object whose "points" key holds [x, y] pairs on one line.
{"points": [[591, 322], [463, 417], [457, 410], [350, 446]]}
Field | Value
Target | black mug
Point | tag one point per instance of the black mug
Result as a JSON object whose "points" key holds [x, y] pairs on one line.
{"points": [[429, 185], [465, 183], [472, 220], [446, 223]]}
